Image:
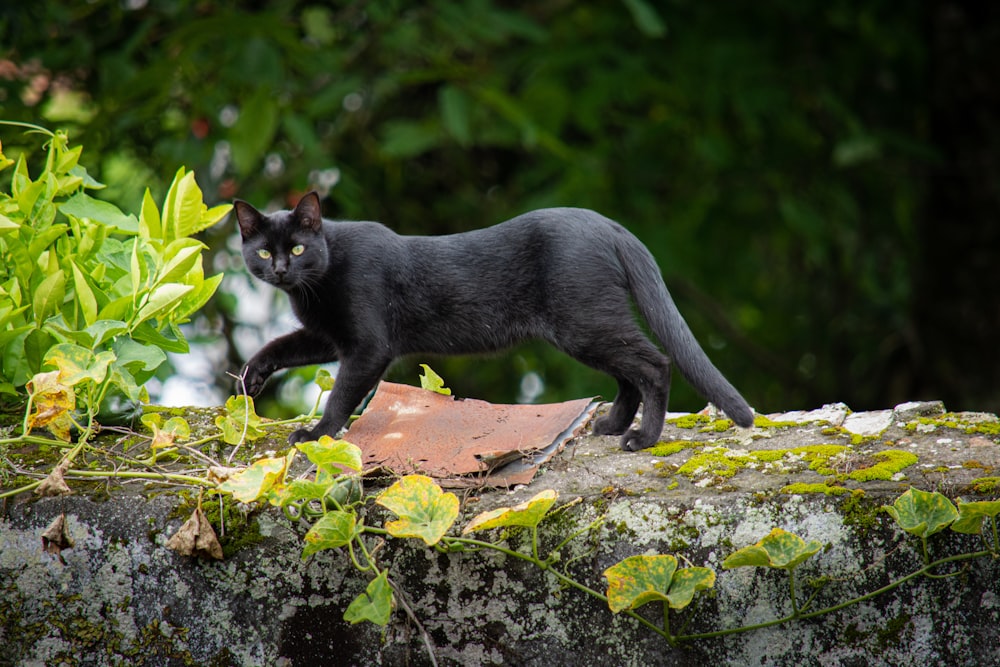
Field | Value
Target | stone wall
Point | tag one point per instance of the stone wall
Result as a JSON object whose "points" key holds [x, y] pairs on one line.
{"points": [[118, 596]]}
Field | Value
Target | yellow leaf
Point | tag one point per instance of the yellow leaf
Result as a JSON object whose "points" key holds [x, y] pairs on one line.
{"points": [[254, 482], [431, 381], [51, 404], [424, 510], [528, 513]]}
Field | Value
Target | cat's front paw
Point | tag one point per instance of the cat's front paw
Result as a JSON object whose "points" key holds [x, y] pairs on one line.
{"points": [[251, 380], [303, 435]]}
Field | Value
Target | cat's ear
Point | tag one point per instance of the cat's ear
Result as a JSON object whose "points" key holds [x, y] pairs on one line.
{"points": [[309, 213], [247, 216]]}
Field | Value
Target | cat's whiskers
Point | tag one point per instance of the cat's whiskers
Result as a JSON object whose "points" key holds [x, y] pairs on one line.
{"points": [[309, 283]]}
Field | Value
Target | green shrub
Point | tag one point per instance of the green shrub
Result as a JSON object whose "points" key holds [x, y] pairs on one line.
{"points": [[82, 280]]}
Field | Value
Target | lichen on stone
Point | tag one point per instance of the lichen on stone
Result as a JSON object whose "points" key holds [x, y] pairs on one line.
{"points": [[891, 462], [820, 487]]}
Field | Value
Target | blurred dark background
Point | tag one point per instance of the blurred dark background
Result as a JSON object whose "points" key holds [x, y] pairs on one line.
{"points": [[820, 181]]}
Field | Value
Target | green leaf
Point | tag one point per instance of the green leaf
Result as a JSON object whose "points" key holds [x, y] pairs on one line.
{"points": [[115, 310], [211, 217], [48, 296], [84, 295], [431, 381], [257, 480], [184, 211], [333, 530], [183, 202], [688, 581], [646, 18], [779, 549], [424, 510], [83, 206], [147, 334], [332, 456], [7, 225], [136, 270], [455, 114], [528, 513], [253, 133], [407, 139], [43, 239], [374, 605], [161, 299], [180, 256], [140, 360], [299, 490], [638, 580], [164, 434], [324, 380], [971, 516], [196, 298], [922, 513], [68, 159], [9, 316], [240, 421], [28, 197], [88, 181], [102, 331], [149, 218]]}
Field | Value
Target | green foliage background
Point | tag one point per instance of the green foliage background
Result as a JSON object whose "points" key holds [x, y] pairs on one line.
{"points": [[814, 177]]}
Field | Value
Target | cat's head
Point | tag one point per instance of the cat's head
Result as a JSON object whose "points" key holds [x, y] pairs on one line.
{"points": [[287, 248]]}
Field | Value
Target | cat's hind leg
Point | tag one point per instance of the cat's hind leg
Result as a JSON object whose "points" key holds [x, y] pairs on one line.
{"points": [[645, 371], [651, 370], [622, 412]]}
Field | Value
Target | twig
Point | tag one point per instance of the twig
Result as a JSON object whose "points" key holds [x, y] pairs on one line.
{"points": [[428, 643], [241, 378]]}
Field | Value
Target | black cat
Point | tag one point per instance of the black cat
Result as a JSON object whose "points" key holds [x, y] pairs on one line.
{"points": [[366, 295]]}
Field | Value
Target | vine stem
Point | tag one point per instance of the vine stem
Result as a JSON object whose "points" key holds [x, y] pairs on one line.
{"points": [[791, 592], [130, 474], [837, 607], [428, 643], [31, 126], [543, 565], [664, 631], [21, 489]]}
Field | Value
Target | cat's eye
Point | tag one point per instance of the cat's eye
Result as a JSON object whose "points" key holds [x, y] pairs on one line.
{"points": [[264, 253], [298, 250]]}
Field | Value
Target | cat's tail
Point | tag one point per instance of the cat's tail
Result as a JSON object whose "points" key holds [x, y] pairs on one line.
{"points": [[661, 314]]}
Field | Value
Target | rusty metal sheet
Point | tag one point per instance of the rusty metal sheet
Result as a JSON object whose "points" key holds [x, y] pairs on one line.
{"points": [[462, 442]]}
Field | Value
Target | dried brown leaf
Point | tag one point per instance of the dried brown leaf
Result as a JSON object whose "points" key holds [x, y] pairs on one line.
{"points": [[196, 538], [56, 537], [219, 474], [55, 484]]}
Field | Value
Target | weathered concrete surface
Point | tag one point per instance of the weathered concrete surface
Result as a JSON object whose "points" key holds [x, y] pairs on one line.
{"points": [[122, 598]]}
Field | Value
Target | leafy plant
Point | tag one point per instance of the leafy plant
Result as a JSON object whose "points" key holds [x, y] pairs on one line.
{"points": [[90, 290]]}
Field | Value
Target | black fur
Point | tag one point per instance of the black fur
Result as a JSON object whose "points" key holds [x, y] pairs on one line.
{"points": [[366, 295]]}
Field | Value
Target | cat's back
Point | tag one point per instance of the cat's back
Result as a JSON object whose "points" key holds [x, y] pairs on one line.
{"points": [[548, 236], [560, 221], [551, 228]]}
